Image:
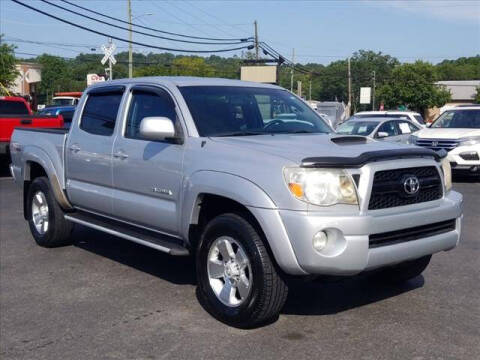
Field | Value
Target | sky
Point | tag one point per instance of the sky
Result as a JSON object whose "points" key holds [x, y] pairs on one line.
{"points": [[320, 31]]}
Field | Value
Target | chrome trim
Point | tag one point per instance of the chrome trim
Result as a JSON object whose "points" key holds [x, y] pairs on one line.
{"points": [[437, 144], [119, 234]]}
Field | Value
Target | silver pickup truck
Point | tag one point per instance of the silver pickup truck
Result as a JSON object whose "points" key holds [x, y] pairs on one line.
{"points": [[245, 177]]}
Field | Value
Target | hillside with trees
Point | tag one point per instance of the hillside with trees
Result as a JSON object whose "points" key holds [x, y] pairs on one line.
{"points": [[410, 84]]}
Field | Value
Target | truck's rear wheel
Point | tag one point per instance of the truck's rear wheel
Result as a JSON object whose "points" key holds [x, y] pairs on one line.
{"points": [[45, 217], [237, 281], [405, 271]]}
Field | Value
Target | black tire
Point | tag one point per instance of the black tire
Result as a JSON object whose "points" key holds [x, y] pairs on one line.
{"points": [[59, 229], [268, 291], [405, 271]]}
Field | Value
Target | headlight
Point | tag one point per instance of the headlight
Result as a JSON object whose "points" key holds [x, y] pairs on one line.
{"points": [[469, 141], [447, 174], [322, 187], [412, 139]]}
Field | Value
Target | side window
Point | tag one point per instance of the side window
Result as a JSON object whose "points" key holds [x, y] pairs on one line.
{"points": [[100, 113], [389, 128], [146, 104]]}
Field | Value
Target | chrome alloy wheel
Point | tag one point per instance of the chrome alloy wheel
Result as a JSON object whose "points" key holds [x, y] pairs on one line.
{"points": [[229, 271], [40, 212]]}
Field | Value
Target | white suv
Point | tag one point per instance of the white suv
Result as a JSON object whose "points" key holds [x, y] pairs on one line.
{"points": [[414, 117], [458, 132]]}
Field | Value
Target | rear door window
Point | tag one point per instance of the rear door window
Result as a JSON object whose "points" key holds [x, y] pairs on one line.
{"points": [[100, 113]]}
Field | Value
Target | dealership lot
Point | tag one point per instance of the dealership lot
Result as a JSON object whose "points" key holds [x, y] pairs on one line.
{"points": [[107, 298]]}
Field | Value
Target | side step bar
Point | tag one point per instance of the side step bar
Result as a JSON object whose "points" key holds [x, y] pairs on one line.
{"points": [[165, 243]]}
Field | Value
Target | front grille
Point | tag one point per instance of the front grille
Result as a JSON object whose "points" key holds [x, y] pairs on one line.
{"points": [[438, 144], [415, 233], [388, 189]]}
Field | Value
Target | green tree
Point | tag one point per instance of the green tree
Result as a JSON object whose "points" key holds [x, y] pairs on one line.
{"points": [[8, 71], [477, 96], [413, 85]]}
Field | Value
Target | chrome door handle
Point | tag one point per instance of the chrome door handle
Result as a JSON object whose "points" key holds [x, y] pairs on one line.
{"points": [[120, 155], [74, 148]]}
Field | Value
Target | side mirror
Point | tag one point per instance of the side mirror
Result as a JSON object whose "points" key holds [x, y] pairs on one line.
{"points": [[382, 134], [157, 128]]}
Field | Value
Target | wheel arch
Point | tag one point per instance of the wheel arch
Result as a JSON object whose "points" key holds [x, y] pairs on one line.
{"points": [[210, 193], [38, 164]]}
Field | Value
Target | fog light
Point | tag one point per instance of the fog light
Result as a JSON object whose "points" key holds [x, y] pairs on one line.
{"points": [[320, 240]]}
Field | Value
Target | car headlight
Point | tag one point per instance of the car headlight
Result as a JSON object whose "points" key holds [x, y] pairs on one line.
{"points": [[447, 174], [470, 141], [412, 139], [322, 187]]}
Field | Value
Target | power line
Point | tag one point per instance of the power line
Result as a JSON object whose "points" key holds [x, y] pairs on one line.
{"points": [[140, 32], [124, 40], [149, 28]]}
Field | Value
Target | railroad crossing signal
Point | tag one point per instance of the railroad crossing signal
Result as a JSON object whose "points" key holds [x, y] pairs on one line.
{"points": [[108, 51]]}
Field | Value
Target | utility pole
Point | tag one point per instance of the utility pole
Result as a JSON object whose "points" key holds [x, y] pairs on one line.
{"points": [[291, 70], [310, 90], [349, 88], [110, 71], [256, 38], [373, 94], [130, 50]]}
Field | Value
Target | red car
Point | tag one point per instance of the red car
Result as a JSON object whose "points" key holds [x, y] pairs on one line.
{"points": [[16, 112]]}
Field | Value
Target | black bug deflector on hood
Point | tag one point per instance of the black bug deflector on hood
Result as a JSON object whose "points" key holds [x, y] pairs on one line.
{"points": [[370, 156]]}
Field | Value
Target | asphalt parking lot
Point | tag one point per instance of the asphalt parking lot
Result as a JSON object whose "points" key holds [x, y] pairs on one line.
{"points": [[107, 298]]}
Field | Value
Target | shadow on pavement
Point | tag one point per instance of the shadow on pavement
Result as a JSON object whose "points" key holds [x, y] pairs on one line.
{"points": [[465, 177], [305, 298], [4, 170], [331, 297], [175, 269]]}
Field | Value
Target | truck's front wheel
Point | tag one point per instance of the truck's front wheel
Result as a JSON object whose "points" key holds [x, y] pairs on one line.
{"points": [[237, 281], [45, 217]]}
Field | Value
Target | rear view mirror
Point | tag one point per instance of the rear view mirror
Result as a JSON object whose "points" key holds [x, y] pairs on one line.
{"points": [[382, 134], [157, 128]]}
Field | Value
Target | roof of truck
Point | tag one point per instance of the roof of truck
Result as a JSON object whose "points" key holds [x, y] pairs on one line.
{"points": [[184, 81]]}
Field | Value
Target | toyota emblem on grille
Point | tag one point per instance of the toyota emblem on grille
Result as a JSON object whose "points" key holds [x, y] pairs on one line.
{"points": [[411, 185]]}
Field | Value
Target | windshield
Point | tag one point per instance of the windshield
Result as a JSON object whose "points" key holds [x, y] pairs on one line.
{"points": [[458, 119], [363, 128], [243, 111], [62, 102]]}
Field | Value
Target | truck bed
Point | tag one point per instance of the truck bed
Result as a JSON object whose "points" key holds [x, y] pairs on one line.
{"points": [[47, 140], [9, 122]]}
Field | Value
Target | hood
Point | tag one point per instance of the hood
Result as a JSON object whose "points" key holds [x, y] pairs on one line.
{"points": [[296, 147], [444, 133]]}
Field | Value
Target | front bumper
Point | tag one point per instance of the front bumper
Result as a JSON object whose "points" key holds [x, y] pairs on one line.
{"points": [[465, 158], [348, 252]]}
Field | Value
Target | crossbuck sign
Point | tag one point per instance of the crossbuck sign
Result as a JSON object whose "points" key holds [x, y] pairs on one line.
{"points": [[108, 51]]}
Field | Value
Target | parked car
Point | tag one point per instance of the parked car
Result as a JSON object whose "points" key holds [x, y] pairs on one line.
{"points": [[208, 167], [65, 111], [414, 117], [378, 128], [15, 111], [63, 99], [457, 131]]}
